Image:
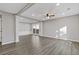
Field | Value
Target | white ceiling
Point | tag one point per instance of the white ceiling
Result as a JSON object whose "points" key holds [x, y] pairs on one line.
{"points": [[12, 7], [38, 10], [24, 20]]}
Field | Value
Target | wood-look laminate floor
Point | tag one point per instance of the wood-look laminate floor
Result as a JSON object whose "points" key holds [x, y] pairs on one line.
{"points": [[35, 45]]}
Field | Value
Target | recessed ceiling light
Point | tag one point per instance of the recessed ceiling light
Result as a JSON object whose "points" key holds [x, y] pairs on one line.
{"points": [[57, 4]]}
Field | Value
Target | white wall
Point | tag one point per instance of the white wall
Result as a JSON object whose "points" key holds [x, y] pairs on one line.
{"points": [[23, 27], [0, 29], [8, 21], [64, 28], [41, 29]]}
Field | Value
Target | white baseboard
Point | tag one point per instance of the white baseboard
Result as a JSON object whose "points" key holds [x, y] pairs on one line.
{"points": [[3, 43], [60, 38]]}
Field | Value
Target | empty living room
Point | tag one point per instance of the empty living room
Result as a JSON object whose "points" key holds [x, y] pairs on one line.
{"points": [[39, 28]]}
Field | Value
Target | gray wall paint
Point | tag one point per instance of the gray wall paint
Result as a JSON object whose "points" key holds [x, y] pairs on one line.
{"points": [[23, 27], [0, 29], [7, 28], [65, 28]]}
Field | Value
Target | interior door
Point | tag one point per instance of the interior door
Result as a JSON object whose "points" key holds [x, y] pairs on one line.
{"points": [[36, 29]]}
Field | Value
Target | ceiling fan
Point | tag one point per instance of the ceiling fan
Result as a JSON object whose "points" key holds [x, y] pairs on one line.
{"points": [[49, 15]]}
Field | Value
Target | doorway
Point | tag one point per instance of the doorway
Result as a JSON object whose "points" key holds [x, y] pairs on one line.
{"points": [[36, 28]]}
